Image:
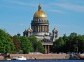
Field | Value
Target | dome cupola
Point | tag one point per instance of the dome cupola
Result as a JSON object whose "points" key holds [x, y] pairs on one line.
{"points": [[40, 24], [39, 13]]}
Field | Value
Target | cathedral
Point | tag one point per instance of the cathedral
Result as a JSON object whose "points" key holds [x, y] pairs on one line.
{"points": [[40, 29]]}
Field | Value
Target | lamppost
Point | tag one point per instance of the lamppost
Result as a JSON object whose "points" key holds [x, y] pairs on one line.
{"points": [[77, 46]]}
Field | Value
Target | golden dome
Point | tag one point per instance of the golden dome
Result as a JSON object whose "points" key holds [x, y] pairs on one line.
{"points": [[40, 13]]}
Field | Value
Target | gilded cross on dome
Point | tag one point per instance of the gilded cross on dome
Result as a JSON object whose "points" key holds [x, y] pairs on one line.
{"points": [[39, 7], [40, 12]]}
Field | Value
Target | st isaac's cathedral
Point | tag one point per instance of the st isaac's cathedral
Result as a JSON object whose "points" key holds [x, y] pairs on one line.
{"points": [[40, 29]]}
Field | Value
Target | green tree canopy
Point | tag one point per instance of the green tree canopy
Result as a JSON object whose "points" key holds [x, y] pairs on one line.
{"points": [[71, 43], [6, 43], [17, 43], [58, 45], [34, 41], [37, 45], [40, 47], [26, 45]]}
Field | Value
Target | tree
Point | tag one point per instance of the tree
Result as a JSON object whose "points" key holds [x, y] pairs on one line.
{"points": [[71, 43], [26, 45], [58, 45], [16, 41], [72, 35], [80, 43], [6, 43], [40, 47], [37, 45], [34, 41]]}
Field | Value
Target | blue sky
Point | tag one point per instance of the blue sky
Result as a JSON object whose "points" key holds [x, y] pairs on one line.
{"points": [[65, 15]]}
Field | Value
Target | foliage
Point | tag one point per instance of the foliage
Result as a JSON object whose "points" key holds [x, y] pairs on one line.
{"points": [[26, 45], [58, 45], [16, 41], [40, 47], [6, 43], [37, 45], [71, 43], [21, 44], [34, 41]]}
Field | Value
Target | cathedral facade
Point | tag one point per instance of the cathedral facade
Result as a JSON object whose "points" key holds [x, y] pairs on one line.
{"points": [[40, 29]]}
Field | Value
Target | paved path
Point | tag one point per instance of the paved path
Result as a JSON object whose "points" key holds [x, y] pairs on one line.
{"points": [[41, 56]]}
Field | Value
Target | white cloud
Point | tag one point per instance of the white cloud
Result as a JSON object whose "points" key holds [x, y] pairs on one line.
{"points": [[63, 4], [14, 2], [73, 7], [56, 11]]}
